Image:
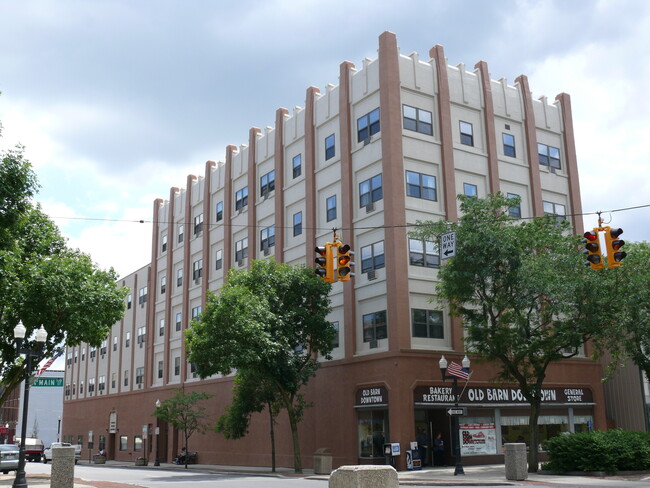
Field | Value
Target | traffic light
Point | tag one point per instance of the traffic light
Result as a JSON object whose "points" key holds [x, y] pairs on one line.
{"points": [[592, 249], [344, 262], [614, 245], [324, 261]]}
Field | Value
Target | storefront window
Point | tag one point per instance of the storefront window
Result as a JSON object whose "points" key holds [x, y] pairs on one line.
{"points": [[373, 432], [583, 423], [516, 429]]}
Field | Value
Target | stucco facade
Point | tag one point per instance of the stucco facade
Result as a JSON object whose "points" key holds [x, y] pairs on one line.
{"points": [[394, 142]]}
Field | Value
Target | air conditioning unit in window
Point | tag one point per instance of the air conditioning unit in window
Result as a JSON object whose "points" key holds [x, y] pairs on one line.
{"points": [[373, 344], [139, 386], [197, 281], [240, 263], [370, 208], [372, 275], [367, 140], [140, 344], [552, 169], [267, 251], [266, 195]]}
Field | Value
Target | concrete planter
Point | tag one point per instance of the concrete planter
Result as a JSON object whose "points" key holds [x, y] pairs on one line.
{"points": [[100, 460], [141, 462]]}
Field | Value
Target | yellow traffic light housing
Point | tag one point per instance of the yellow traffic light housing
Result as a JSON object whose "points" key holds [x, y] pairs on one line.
{"points": [[344, 262], [325, 262], [613, 245], [592, 249]]}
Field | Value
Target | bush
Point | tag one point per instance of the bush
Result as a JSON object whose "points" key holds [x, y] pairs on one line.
{"points": [[609, 451]]}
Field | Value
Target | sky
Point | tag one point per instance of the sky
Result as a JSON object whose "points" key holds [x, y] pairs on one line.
{"points": [[117, 101]]}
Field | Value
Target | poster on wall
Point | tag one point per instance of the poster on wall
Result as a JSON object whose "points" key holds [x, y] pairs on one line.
{"points": [[478, 438]]}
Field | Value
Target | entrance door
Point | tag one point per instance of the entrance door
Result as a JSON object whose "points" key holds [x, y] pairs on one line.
{"points": [[111, 447], [435, 421]]}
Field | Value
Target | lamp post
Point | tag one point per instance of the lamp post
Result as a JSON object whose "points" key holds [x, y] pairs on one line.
{"points": [[157, 463], [455, 427], [19, 336]]}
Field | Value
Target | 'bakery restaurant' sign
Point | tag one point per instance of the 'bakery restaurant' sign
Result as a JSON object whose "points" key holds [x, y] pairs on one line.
{"points": [[432, 395], [371, 396]]}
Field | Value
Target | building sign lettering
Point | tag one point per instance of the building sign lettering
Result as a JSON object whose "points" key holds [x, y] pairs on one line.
{"points": [[376, 395], [483, 394]]}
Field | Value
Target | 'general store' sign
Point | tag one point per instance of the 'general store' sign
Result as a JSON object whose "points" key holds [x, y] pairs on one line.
{"points": [[431, 395]]}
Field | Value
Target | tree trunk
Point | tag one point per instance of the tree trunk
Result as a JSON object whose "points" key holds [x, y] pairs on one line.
{"points": [[533, 463], [272, 421], [187, 450], [297, 462]]}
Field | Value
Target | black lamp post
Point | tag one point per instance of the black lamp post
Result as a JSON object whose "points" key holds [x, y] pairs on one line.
{"points": [[157, 463], [30, 354], [456, 436]]}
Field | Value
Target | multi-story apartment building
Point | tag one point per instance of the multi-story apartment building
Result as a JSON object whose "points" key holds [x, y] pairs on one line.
{"points": [[394, 142]]}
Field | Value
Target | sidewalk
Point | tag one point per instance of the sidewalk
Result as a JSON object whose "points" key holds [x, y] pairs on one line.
{"points": [[492, 475]]}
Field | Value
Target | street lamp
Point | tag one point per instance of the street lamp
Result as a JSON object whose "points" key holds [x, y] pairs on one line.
{"points": [[19, 336], [157, 463], [455, 427]]}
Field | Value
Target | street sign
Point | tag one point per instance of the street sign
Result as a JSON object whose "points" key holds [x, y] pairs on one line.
{"points": [[448, 245], [457, 411]]}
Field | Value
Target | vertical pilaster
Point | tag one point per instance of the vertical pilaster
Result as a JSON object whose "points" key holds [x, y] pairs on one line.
{"points": [[227, 212], [207, 226], [490, 130], [278, 165], [253, 231], [172, 240], [187, 271], [309, 220]]}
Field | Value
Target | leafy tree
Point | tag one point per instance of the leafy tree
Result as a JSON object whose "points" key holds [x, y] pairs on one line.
{"points": [[630, 337], [42, 281], [183, 412], [250, 395], [523, 292], [271, 323]]}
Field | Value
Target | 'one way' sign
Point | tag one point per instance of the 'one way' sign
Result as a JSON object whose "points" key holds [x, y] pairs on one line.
{"points": [[448, 245]]}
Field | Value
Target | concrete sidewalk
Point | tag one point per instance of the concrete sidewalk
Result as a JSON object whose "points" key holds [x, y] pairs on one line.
{"points": [[493, 475]]}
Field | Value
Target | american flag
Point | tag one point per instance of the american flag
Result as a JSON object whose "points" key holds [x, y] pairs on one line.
{"points": [[458, 371], [49, 362]]}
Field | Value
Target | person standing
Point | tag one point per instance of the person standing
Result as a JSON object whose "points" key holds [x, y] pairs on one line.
{"points": [[438, 450], [423, 444]]}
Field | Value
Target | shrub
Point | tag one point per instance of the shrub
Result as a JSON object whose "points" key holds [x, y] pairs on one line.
{"points": [[609, 451]]}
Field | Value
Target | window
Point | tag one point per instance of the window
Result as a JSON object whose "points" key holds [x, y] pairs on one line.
{"points": [[127, 341], [83, 353], [178, 321], [193, 370], [104, 347], [196, 312], [241, 249], [466, 133], [372, 257], [417, 120], [219, 259], [419, 185], [115, 343], [267, 184], [113, 380], [102, 383], [424, 253], [142, 335], [197, 269], [76, 355], [126, 377], [181, 231], [297, 224], [139, 375], [330, 147], [177, 366], [81, 387], [241, 198], [102, 442], [297, 165], [509, 145], [374, 326], [549, 156], [74, 388], [91, 385], [129, 300], [142, 295], [470, 190], [370, 191], [68, 360], [93, 352], [427, 323], [164, 243], [161, 327], [267, 238], [556, 209], [330, 203], [335, 340], [67, 389], [219, 211], [137, 443], [368, 125], [124, 442], [160, 369], [198, 225], [514, 211], [163, 284], [179, 277]]}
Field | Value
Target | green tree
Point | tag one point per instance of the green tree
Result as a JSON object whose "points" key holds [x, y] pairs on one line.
{"points": [[630, 337], [42, 280], [250, 395], [523, 292], [183, 412], [270, 322]]}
